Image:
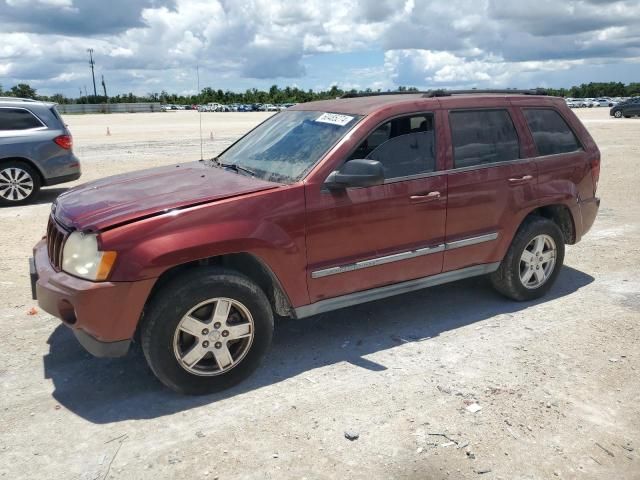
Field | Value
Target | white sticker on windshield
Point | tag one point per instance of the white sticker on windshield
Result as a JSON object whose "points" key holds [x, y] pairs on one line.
{"points": [[334, 119]]}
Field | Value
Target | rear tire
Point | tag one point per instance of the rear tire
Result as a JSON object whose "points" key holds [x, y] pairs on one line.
{"points": [[19, 183], [206, 330], [532, 262]]}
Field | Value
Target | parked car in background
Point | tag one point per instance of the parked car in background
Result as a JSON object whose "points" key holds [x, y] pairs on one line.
{"points": [[36, 150], [580, 103], [572, 103], [626, 109], [604, 102], [326, 205]]}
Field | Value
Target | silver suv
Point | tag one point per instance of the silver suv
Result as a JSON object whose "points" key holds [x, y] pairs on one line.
{"points": [[35, 149]]}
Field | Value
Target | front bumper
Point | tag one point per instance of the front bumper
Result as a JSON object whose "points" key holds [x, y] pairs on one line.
{"points": [[103, 315]]}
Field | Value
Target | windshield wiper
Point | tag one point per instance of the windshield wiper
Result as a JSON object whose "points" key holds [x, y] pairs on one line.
{"points": [[233, 166]]}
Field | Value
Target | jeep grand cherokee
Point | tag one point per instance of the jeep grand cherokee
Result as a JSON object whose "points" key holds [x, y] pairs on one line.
{"points": [[325, 205]]}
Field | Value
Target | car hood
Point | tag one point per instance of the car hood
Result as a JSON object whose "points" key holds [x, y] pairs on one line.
{"points": [[123, 198]]}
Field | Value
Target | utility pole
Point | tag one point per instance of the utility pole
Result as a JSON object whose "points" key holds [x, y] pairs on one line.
{"points": [[92, 63], [80, 99], [104, 87]]}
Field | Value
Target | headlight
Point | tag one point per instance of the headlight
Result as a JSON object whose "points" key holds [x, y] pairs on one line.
{"points": [[82, 258]]}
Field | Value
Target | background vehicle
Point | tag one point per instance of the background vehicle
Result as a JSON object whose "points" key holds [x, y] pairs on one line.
{"points": [[572, 103], [35, 150], [604, 102], [326, 205], [627, 108]]}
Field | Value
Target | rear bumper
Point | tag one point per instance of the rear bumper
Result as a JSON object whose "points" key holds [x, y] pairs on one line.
{"points": [[103, 315], [63, 179], [588, 212]]}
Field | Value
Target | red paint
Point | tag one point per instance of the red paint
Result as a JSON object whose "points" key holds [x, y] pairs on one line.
{"points": [[157, 219]]}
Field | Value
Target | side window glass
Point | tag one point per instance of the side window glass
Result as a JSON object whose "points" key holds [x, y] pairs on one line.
{"points": [[409, 154], [483, 136], [551, 133], [17, 119], [405, 146]]}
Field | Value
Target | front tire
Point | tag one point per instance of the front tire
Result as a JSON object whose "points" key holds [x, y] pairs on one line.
{"points": [[19, 183], [532, 262], [206, 330], [617, 114]]}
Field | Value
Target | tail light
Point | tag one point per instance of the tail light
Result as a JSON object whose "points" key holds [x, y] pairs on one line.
{"points": [[595, 170], [64, 141]]}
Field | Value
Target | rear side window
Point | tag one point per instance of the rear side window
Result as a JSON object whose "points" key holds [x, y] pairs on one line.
{"points": [[483, 136], [17, 119], [550, 132]]}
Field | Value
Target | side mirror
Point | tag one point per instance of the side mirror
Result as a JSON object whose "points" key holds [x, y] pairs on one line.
{"points": [[356, 173]]}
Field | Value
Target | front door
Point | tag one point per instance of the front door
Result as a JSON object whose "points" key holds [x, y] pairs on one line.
{"points": [[362, 238]]}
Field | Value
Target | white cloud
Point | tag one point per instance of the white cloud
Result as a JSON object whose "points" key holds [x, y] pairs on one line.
{"points": [[458, 42]]}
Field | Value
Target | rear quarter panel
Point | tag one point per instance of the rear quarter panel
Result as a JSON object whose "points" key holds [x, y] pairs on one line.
{"points": [[565, 178], [38, 147]]}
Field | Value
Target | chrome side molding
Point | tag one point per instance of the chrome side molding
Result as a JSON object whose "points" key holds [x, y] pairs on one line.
{"points": [[396, 257], [465, 242], [391, 290], [377, 261]]}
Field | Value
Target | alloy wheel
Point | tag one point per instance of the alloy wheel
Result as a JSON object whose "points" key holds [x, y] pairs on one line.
{"points": [[213, 337], [537, 261], [16, 184]]}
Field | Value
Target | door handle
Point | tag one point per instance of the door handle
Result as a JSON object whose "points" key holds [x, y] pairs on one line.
{"points": [[426, 197], [516, 181]]}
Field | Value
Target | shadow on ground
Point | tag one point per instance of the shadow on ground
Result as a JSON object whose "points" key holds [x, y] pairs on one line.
{"points": [[112, 390], [46, 195]]}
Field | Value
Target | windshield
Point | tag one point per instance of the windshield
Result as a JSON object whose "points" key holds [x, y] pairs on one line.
{"points": [[287, 145]]}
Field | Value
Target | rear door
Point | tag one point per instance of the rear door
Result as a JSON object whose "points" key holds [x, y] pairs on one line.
{"points": [[490, 184]]}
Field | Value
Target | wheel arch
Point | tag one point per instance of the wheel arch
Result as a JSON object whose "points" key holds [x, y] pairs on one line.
{"points": [[562, 216], [29, 162], [245, 263]]}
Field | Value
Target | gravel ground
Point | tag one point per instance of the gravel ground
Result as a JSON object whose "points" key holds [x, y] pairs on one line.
{"points": [[556, 379]]}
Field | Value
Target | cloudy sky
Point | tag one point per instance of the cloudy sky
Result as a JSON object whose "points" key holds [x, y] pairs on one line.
{"points": [[149, 45]]}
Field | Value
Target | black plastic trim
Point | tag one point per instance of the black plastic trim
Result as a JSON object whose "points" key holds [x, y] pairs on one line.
{"points": [[98, 348]]}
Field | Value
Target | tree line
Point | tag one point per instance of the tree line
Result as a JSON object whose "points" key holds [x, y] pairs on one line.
{"points": [[277, 95]]}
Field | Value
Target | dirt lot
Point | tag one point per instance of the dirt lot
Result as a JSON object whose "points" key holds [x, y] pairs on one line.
{"points": [[557, 379]]}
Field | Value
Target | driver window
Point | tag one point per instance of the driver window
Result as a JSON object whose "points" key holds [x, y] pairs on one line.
{"points": [[404, 146]]}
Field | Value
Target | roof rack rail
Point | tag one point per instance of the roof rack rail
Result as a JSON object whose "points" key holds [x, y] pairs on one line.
{"points": [[17, 99], [448, 93], [378, 94]]}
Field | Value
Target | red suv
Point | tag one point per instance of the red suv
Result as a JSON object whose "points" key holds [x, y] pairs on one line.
{"points": [[325, 205]]}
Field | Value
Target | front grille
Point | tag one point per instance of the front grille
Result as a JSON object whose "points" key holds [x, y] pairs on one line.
{"points": [[56, 235]]}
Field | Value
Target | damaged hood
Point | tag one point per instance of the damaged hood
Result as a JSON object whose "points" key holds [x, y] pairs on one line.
{"points": [[120, 199]]}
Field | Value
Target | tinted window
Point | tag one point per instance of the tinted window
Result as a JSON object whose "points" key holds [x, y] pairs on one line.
{"points": [[17, 119], [550, 132], [405, 146], [483, 136]]}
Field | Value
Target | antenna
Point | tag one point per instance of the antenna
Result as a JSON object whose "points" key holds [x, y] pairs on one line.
{"points": [[199, 111]]}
